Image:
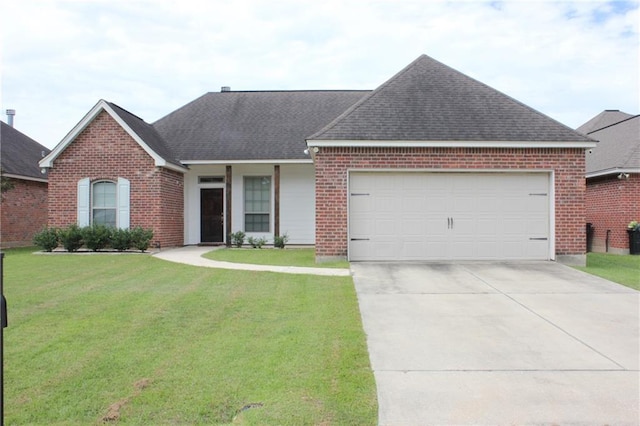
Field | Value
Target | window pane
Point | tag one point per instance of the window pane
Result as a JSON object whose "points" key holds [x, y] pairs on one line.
{"points": [[104, 217], [256, 223], [257, 203], [257, 195], [104, 194]]}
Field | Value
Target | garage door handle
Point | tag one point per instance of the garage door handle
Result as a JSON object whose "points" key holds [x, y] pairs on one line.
{"points": [[359, 239], [449, 223], [538, 239]]}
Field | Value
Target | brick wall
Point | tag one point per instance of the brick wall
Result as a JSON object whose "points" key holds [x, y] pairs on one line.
{"points": [[331, 184], [105, 151], [23, 212], [611, 204]]}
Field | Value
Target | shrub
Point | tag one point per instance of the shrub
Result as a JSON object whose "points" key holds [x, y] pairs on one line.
{"points": [[71, 237], [237, 238], [257, 242], [279, 241], [46, 239], [120, 239], [96, 237], [141, 238]]}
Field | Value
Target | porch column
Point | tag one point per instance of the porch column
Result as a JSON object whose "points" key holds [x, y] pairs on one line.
{"points": [[276, 200], [228, 198]]}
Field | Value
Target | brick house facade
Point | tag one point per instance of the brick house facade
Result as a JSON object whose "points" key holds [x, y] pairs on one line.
{"points": [[332, 165], [23, 208], [612, 204], [23, 212], [613, 179], [105, 151]]}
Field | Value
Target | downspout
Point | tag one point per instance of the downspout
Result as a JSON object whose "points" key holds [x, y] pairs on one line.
{"points": [[606, 241]]}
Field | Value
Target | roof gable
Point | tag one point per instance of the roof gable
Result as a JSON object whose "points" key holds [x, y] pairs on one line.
{"points": [[429, 101], [618, 149], [19, 154], [253, 125], [143, 133]]}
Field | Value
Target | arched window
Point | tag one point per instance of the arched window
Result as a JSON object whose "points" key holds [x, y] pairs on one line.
{"points": [[103, 203]]}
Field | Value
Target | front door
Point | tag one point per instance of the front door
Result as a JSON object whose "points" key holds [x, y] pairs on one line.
{"points": [[211, 215]]}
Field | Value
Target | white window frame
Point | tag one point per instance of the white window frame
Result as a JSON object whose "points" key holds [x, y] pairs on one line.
{"points": [[244, 201], [85, 204]]}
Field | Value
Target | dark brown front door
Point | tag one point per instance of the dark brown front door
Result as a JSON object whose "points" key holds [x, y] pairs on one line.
{"points": [[211, 215]]}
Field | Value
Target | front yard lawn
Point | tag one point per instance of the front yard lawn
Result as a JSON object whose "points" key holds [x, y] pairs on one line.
{"points": [[130, 339], [267, 256], [624, 270]]}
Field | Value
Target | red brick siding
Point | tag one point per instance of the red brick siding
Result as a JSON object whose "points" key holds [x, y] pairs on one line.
{"points": [[611, 204], [23, 212], [331, 184], [105, 151]]}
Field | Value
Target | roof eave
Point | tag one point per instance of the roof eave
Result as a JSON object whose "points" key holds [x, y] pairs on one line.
{"points": [[24, 177], [448, 144], [612, 171], [246, 161]]}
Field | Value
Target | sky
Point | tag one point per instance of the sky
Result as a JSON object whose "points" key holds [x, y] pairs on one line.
{"points": [[567, 59]]}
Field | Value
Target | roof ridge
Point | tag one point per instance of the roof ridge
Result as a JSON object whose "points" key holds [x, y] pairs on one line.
{"points": [[614, 124], [293, 91]]}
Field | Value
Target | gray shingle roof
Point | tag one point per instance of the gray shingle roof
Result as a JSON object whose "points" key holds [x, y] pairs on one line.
{"points": [[251, 125], [19, 154], [429, 101], [604, 119], [147, 133], [618, 147]]}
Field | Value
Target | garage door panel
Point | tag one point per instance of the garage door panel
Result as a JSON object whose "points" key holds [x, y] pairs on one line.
{"points": [[422, 216]]}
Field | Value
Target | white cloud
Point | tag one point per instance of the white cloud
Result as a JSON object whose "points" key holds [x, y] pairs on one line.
{"points": [[570, 60]]}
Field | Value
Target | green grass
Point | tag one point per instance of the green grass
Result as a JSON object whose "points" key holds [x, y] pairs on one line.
{"points": [[286, 257], [144, 341], [621, 269]]}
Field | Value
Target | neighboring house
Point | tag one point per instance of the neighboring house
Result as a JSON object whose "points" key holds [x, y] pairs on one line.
{"points": [[431, 165], [613, 178], [23, 208]]}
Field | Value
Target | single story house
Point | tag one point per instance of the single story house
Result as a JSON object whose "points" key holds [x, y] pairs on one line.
{"points": [[430, 165], [23, 207], [613, 178]]}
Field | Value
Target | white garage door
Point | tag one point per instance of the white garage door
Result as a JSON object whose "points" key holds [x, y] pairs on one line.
{"points": [[433, 216]]}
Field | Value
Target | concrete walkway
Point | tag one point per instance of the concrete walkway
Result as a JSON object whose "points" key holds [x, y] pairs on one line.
{"points": [[192, 255], [534, 343]]}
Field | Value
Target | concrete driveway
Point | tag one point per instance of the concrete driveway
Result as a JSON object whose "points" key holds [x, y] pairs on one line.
{"points": [[500, 344]]}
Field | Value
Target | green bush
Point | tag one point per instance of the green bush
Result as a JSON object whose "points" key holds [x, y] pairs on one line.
{"points": [[96, 237], [257, 242], [71, 237], [141, 238], [120, 239], [46, 239], [279, 241], [237, 238]]}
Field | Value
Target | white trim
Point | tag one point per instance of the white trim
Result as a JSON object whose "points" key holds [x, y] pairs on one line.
{"points": [[22, 177], [102, 105], [447, 144], [614, 171], [231, 162]]}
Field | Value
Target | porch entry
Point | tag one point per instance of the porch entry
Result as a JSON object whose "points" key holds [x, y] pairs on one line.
{"points": [[212, 215]]}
